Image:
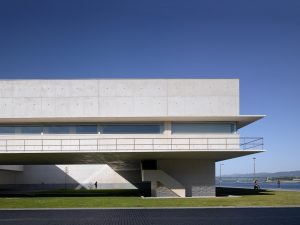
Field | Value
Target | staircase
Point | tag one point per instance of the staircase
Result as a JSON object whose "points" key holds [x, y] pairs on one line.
{"points": [[163, 184]]}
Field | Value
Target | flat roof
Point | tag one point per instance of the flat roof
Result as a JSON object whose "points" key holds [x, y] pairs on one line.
{"points": [[241, 120], [127, 78]]}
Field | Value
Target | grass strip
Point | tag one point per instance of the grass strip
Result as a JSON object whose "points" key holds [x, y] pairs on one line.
{"points": [[264, 198]]}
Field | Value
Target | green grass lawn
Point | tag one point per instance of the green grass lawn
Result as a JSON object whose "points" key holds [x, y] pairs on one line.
{"points": [[266, 198]]}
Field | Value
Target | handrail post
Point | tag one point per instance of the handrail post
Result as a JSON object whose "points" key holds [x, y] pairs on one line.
{"points": [[242, 145], [152, 144], [207, 143], [133, 144], [97, 144]]}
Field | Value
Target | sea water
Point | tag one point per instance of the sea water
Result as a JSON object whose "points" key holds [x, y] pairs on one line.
{"points": [[263, 185]]}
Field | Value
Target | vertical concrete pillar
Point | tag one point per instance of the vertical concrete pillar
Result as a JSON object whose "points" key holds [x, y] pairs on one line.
{"points": [[197, 176], [168, 129]]}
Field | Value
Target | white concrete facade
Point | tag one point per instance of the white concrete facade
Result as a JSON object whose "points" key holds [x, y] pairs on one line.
{"points": [[185, 161], [107, 98]]}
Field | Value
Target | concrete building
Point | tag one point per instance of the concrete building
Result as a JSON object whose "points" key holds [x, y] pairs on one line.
{"points": [[160, 135]]}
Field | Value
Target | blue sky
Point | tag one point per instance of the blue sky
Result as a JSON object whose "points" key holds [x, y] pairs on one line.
{"points": [[255, 41]]}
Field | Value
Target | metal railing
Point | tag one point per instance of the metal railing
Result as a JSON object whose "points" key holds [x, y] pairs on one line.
{"points": [[130, 144]]}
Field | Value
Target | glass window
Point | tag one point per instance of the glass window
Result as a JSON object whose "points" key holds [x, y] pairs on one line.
{"points": [[7, 130], [30, 129], [71, 129], [86, 129], [195, 128], [57, 129], [130, 129], [20, 129], [83, 129]]}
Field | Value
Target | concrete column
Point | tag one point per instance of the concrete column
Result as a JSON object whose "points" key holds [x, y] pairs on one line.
{"points": [[168, 129], [197, 176]]}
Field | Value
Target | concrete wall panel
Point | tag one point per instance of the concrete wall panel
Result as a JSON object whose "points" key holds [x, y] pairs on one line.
{"points": [[21, 89], [176, 106], [116, 88], [197, 176], [73, 106], [87, 106], [49, 107], [119, 98], [6, 89], [132, 87], [116, 106], [151, 88], [150, 106], [69, 88], [203, 87], [6, 107], [26, 107]]}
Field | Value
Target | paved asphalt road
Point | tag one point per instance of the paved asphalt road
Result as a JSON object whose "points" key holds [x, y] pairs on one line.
{"points": [[212, 216]]}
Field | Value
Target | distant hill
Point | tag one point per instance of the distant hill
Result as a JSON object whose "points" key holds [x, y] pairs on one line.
{"points": [[295, 173]]}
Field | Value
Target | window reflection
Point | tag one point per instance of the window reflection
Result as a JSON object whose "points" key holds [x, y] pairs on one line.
{"points": [[83, 129], [31, 129], [131, 129], [86, 129], [188, 128], [7, 130], [20, 129], [57, 129]]}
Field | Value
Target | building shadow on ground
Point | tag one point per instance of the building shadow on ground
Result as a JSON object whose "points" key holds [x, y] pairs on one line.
{"points": [[78, 193], [226, 191]]}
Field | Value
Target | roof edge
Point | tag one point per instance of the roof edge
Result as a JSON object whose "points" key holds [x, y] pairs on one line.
{"points": [[241, 120]]}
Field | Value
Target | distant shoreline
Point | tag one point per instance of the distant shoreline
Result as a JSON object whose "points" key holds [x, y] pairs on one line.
{"points": [[268, 185]]}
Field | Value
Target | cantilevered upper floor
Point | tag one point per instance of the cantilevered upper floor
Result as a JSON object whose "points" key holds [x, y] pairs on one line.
{"points": [[180, 118], [111, 100]]}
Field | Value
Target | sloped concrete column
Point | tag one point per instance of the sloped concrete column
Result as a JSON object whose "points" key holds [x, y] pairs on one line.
{"points": [[162, 184], [17, 168]]}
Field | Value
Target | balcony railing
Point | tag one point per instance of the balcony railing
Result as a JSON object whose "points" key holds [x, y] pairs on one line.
{"points": [[129, 144]]}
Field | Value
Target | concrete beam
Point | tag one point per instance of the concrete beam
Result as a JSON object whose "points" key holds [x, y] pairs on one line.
{"points": [[22, 158]]}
